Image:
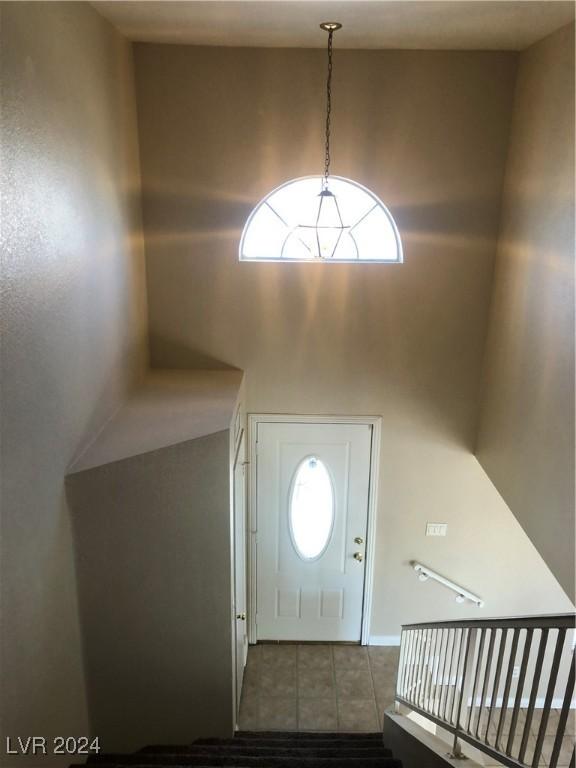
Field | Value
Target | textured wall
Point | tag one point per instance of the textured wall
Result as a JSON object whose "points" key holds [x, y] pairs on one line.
{"points": [[428, 132], [153, 544], [72, 323], [526, 439]]}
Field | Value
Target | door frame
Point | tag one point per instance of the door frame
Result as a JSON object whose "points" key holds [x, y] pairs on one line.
{"points": [[275, 418], [236, 439]]}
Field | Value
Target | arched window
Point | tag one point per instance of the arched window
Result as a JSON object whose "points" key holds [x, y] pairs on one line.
{"points": [[303, 220]]}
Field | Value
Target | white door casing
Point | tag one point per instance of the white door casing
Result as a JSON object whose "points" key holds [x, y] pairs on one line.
{"points": [[240, 597], [318, 598]]}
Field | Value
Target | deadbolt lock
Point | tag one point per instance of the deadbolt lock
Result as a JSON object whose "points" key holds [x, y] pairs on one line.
{"points": [[358, 556], [241, 616], [359, 540]]}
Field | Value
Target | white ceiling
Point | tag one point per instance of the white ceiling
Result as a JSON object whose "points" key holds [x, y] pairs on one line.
{"points": [[435, 24]]}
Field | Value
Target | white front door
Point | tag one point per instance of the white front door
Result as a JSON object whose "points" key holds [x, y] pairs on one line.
{"points": [[312, 511]]}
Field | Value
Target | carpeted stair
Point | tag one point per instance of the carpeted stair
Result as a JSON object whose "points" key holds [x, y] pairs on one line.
{"points": [[252, 749]]}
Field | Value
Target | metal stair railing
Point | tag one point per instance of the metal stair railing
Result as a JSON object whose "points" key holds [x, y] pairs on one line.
{"points": [[504, 686]]}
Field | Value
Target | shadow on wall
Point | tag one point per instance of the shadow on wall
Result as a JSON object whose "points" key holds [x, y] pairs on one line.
{"points": [[153, 569], [353, 335], [198, 215], [169, 354], [348, 338]]}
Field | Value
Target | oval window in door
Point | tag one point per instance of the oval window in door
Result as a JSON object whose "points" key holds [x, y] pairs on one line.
{"points": [[311, 508]]}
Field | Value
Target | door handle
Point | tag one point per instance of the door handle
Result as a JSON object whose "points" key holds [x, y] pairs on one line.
{"points": [[358, 556], [241, 616]]}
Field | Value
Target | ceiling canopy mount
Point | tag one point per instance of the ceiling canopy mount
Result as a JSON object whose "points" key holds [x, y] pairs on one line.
{"points": [[330, 26]]}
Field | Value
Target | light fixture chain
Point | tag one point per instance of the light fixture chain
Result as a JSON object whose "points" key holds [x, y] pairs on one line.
{"points": [[328, 110]]}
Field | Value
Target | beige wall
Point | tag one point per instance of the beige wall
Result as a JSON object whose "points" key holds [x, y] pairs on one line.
{"points": [[428, 132], [153, 547], [526, 439], [73, 326], [219, 128]]}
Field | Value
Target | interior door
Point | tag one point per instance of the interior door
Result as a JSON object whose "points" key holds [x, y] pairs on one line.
{"points": [[239, 504], [312, 513]]}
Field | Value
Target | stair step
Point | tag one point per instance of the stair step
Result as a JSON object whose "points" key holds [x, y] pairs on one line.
{"points": [[261, 749], [300, 744], [174, 755], [246, 761], [311, 735]]}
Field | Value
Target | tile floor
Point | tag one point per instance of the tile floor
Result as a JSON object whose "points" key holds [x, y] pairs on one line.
{"points": [[317, 687], [343, 688], [549, 738]]}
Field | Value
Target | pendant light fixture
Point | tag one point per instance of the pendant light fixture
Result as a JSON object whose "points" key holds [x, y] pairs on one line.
{"points": [[321, 218], [329, 224]]}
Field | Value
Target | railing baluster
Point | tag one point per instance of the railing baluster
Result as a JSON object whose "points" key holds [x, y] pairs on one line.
{"points": [[433, 651], [507, 684], [486, 681], [460, 663], [443, 687], [410, 672], [402, 665], [476, 679], [469, 651], [494, 698], [455, 637], [431, 661], [533, 693], [422, 649], [434, 675], [414, 672], [445, 667], [408, 667], [413, 650], [400, 670], [549, 696], [403, 661], [438, 683], [519, 689], [414, 683], [563, 715], [424, 668]]}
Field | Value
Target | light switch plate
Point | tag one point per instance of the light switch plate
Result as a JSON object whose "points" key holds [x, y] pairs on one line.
{"points": [[436, 529]]}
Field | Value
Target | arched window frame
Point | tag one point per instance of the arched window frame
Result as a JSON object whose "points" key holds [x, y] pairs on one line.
{"points": [[398, 253]]}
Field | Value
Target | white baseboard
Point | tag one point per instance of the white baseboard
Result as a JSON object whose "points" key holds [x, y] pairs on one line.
{"points": [[524, 702], [392, 640]]}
